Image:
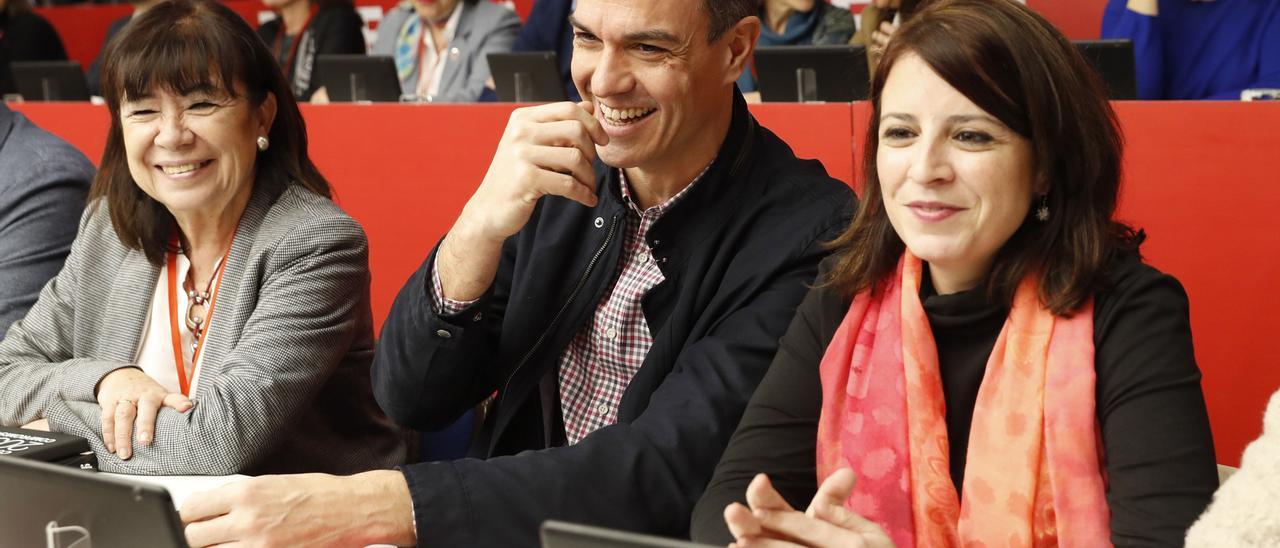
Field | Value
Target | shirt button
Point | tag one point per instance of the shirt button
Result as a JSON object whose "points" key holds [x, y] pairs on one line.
{"points": [[612, 333], [477, 317], [603, 409], [643, 257], [599, 222], [444, 334]]}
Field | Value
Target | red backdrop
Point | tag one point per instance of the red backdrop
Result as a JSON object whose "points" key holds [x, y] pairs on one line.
{"points": [[1200, 178]]}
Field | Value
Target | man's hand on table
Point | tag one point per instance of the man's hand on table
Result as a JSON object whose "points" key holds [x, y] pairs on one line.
{"points": [[303, 510]]}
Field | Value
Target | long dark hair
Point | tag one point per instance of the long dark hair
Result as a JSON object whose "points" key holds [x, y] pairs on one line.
{"points": [[1015, 65], [182, 46]]}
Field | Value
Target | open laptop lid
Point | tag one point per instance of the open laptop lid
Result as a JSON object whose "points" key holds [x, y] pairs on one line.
{"points": [[46, 505], [559, 534], [356, 78], [812, 73], [526, 76], [50, 80]]}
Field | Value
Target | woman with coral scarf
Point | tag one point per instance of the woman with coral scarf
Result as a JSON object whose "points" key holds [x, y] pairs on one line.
{"points": [[985, 361]]}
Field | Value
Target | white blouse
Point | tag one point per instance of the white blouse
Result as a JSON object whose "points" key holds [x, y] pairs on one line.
{"points": [[155, 351]]}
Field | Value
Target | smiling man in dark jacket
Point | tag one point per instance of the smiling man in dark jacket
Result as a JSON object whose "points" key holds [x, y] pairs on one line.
{"points": [[615, 289]]}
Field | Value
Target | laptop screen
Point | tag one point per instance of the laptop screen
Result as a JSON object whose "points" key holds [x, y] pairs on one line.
{"points": [[46, 505]]}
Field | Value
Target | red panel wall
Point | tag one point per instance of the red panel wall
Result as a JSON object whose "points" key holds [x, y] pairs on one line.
{"points": [[1200, 178]]}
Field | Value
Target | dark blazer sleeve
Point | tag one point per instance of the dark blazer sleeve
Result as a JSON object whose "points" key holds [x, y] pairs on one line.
{"points": [[45, 182], [779, 430], [642, 475], [342, 31], [541, 32], [432, 368]]}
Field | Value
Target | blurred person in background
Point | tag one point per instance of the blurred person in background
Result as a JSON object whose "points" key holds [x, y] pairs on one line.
{"points": [[452, 39], [799, 23], [93, 76], [878, 21], [305, 29], [547, 29], [1199, 49], [43, 185], [25, 36]]}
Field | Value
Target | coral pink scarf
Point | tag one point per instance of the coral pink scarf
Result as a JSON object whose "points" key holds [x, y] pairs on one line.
{"points": [[1032, 477]]}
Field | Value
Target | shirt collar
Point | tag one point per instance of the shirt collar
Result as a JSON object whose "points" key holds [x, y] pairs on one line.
{"points": [[661, 208]]}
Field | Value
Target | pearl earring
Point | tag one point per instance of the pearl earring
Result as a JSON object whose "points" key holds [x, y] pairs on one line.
{"points": [[263, 143]]}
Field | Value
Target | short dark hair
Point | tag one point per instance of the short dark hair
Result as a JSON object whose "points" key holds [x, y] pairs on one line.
{"points": [[182, 46], [1015, 65], [722, 15]]}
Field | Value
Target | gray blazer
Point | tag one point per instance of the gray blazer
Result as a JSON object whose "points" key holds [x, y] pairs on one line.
{"points": [[483, 28], [43, 185], [284, 381]]}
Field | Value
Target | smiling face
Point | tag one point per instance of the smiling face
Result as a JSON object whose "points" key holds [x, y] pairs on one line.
{"points": [[956, 182], [437, 11], [660, 89], [194, 153]]}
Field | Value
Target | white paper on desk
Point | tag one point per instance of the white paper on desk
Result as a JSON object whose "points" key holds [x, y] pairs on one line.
{"points": [[181, 487]]}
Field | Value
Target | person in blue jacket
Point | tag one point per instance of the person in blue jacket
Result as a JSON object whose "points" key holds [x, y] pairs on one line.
{"points": [[1199, 49], [548, 29]]}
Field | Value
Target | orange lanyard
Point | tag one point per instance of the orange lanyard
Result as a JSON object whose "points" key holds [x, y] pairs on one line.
{"points": [[184, 380], [293, 48]]}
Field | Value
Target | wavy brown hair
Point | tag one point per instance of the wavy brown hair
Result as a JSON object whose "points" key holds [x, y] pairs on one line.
{"points": [[182, 46], [1016, 66]]}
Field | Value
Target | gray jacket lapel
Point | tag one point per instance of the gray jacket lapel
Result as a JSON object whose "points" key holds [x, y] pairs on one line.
{"points": [[459, 51], [237, 290], [128, 305]]}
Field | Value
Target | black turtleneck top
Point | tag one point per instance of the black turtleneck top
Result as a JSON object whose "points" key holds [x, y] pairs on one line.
{"points": [[1155, 431]]}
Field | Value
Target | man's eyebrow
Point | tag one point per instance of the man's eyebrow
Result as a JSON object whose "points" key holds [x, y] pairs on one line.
{"points": [[651, 35]]}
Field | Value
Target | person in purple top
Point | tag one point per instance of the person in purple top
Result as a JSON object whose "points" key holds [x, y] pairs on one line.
{"points": [[1199, 49]]}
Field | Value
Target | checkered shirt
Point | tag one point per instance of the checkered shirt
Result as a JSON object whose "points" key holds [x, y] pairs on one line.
{"points": [[605, 354]]}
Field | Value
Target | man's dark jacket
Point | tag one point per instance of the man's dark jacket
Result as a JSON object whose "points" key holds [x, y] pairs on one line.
{"points": [[737, 252]]}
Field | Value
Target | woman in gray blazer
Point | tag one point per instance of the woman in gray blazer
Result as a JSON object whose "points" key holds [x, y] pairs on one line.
{"points": [[213, 316], [452, 39]]}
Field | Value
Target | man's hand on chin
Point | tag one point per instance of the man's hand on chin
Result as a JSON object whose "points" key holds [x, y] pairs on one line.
{"points": [[304, 510]]}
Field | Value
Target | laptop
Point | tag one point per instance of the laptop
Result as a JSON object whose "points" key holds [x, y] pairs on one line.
{"points": [[559, 534], [527, 77], [358, 78], [797, 74], [1113, 59], [52, 506], [50, 80]]}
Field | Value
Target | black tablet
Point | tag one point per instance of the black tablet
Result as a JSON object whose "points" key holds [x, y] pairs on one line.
{"points": [[791, 74], [527, 77], [357, 78], [50, 80], [59, 506]]}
